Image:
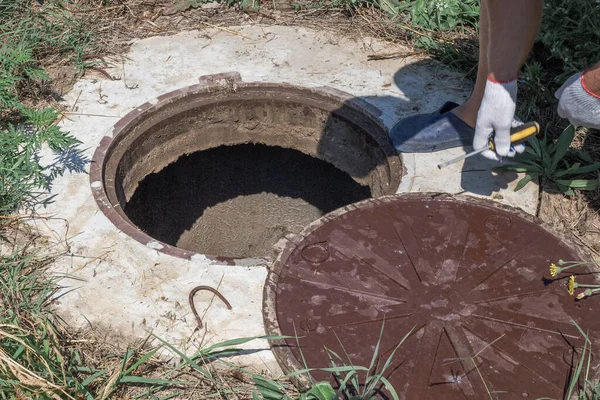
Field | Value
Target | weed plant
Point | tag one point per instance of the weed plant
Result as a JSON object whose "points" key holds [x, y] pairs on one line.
{"points": [[555, 162], [29, 32]]}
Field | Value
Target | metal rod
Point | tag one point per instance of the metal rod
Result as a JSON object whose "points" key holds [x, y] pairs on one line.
{"points": [[457, 159]]}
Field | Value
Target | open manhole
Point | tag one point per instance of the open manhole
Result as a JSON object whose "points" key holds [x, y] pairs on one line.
{"points": [[467, 282], [227, 168]]}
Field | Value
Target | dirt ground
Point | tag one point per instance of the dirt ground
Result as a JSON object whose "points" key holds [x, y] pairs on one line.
{"points": [[117, 25], [578, 216]]}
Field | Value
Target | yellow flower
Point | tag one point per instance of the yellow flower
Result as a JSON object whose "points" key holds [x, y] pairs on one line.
{"points": [[572, 285], [554, 269]]}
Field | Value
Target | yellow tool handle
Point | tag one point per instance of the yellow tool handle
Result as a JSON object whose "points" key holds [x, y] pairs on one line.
{"points": [[521, 133]]}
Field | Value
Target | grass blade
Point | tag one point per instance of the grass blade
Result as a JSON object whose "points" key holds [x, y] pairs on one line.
{"points": [[236, 342], [188, 360], [520, 168], [575, 377], [321, 391], [343, 368], [375, 380], [581, 184], [390, 388], [376, 350], [270, 390], [93, 377], [310, 379], [142, 360], [587, 168], [151, 381], [534, 142], [523, 182], [562, 145], [355, 382]]}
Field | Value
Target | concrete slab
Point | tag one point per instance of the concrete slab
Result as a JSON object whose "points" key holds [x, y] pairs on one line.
{"points": [[131, 288]]}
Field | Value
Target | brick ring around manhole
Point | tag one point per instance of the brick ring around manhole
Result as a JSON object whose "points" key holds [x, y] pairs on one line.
{"points": [[470, 286]]}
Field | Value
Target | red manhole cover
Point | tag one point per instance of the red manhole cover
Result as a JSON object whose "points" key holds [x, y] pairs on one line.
{"points": [[470, 278]]}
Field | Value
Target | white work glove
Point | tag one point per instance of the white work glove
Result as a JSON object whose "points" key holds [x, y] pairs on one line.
{"points": [[496, 116], [579, 105]]}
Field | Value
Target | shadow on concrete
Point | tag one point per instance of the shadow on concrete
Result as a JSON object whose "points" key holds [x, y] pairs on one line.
{"points": [[477, 175], [71, 160]]}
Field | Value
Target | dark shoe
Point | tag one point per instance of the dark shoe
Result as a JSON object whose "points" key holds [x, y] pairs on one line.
{"points": [[431, 132]]}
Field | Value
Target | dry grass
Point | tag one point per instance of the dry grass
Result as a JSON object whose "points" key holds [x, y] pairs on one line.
{"points": [[42, 358], [102, 349], [577, 216]]}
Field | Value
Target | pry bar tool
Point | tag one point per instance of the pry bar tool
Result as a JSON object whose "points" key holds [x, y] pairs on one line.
{"points": [[518, 135]]}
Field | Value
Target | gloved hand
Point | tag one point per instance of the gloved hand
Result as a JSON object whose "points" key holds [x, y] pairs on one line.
{"points": [[496, 116], [579, 105]]}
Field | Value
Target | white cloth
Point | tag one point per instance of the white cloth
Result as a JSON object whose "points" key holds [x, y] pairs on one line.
{"points": [[495, 118], [580, 107]]}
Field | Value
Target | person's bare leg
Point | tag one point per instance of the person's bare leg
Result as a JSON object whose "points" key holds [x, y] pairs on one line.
{"points": [[468, 111], [527, 32]]}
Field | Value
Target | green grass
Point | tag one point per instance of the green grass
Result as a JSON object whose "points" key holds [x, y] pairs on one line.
{"points": [[353, 381], [555, 163], [38, 360], [568, 42], [570, 35], [23, 179], [48, 29], [34, 363], [32, 33], [580, 387], [441, 15]]}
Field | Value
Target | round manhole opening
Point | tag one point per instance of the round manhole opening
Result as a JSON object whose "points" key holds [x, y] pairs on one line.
{"points": [[227, 168], [452, 305]]}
